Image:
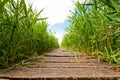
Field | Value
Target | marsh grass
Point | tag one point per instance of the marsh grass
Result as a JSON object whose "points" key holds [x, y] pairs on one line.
{"points": [[23, 33], [95, 27]]}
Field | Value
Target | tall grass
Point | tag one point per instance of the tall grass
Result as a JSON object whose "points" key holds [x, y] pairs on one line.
{"points": [[23, 32], [95, 28]]}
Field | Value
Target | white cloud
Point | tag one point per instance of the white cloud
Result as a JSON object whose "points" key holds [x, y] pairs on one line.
{"points": [[56, 10], [59, 36]]}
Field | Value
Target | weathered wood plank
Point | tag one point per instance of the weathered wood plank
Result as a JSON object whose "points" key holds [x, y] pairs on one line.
{"points": [[64, 54], [71, 65], [65, 66], [67, 60], [61, 72]]}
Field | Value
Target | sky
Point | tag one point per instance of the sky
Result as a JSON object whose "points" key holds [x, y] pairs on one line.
{"points": [[57, 12], [59, 29]]}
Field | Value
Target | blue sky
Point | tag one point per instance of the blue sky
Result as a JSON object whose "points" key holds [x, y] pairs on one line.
{"points": [[57, 12], [58, 28]]}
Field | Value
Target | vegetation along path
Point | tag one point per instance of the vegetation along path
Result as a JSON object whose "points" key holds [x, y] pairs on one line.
{"points": [[63, 65]]}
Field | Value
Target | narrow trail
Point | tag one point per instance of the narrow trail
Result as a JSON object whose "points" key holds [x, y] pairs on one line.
{"points": [[61, 65]]}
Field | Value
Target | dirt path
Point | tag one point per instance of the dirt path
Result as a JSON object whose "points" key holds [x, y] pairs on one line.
{"points": [[61, 65]]}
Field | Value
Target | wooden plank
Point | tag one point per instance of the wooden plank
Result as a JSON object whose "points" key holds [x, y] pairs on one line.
{"points": [[3, 79], [70, 65], [61, 73], [64, 54], [67, 60], [62, 65]]}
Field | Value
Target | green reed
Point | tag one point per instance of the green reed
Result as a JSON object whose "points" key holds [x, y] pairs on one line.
{"points": [[23, 33], [95, 27]]}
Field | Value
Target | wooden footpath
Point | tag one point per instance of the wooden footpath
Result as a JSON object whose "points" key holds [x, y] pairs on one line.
{"points": [[61, 65]]}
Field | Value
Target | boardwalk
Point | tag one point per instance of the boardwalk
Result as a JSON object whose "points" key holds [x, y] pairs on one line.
{"points": [[61, 65]]}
